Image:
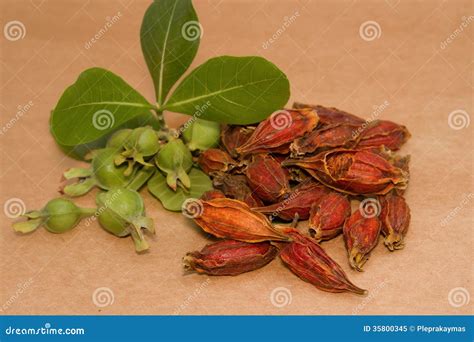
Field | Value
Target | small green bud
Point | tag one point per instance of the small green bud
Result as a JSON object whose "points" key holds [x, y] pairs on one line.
{"points": [[202, 134], [175, 160], [58, 216], [102, 173], [118, 139], [142, 142], [122, 213]]}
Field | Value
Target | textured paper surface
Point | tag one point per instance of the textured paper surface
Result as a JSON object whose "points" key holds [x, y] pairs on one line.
{"points": [[410, 66]]}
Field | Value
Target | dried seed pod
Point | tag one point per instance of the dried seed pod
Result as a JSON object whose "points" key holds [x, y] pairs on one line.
{"points": [[213, 160], [332, 136], [236, 187], [298, 202], [230, 257], [310, 262], [361, 234], [353, 171], [267, 178], [211, 194], [235, 136], [327, 216], [383, 133], [395, 217], [277, 132], [231, 219], [331, 115]]}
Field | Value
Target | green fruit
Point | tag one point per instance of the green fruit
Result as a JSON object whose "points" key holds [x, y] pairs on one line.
{"points": [[175, 160], [141, 143], [202, 134], [102, 173], [118, 139], [122, 213], [58, 216]]}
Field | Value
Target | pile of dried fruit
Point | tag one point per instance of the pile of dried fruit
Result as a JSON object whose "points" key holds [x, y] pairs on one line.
{"points": [[307, 163]]}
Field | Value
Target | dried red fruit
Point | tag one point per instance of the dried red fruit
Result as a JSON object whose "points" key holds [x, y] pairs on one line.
{"points": [[327, 216], [332, 136], [277, 132], [383, 133], [235, 136], [395, 217], [211, 194], [310, 262], [331, 115], [236, 187], [353, 171], [230, 257], [215, 160], [361, 234], [267, 178], [298, 202], [231, 219]]}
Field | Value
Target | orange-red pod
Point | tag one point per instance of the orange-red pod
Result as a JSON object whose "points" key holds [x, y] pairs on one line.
{"points": [[230, 257], [212, 194], [215, 160], [332, 136], [297, 203], [331, 115], [236, 187], [383, 133], [353, 171], [231, 219], [310, 262], [395, 217], [234, 136], [361, 233], [327, 216], [267, 178], [277, 132]]}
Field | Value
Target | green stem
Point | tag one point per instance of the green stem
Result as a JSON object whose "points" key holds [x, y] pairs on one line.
{"points": [[141, 178]]}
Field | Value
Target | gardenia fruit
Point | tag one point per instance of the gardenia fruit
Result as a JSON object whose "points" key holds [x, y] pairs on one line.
{"points": [[121, 211], [58, 216]]}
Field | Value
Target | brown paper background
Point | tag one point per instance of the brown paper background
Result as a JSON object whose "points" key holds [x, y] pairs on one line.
{"points": [[327, 63]]}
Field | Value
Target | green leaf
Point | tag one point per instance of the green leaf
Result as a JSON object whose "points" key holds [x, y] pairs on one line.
{"points": [[235, 90], [170, 36], [96, 105], [173, 200]]}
